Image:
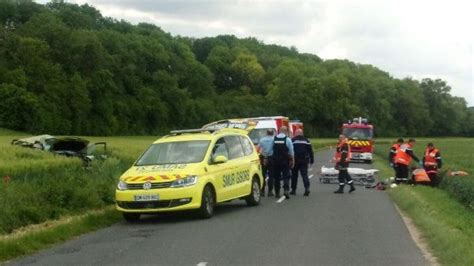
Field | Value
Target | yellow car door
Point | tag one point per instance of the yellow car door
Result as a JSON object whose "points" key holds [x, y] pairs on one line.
{"points": [[240, 166], [221, 170], [250, 162]]}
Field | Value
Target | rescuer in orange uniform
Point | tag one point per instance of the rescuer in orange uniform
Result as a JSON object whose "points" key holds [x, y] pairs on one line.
{"points": [[432, 162], [403, 159], [342, 158], [393, 151]]}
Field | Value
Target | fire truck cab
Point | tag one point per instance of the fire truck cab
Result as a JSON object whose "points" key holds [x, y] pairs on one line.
{"points": [[360, 135]]}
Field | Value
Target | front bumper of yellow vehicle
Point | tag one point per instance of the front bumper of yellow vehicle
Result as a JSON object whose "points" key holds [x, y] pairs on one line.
{"points": [[169, 199]]}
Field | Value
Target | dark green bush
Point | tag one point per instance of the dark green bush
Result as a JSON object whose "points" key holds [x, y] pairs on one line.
{"points": [[460, 188]]}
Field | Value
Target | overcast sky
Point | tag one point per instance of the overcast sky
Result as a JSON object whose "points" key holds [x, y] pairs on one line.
{"points": [[405, 38]]}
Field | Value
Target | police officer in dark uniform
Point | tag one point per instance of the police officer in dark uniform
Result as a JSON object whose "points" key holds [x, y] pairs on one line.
{"points": [[342, 158], [303, 157], [283, 161]]}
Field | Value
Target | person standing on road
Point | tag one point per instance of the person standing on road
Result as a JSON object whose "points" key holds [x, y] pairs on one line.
{"points": [[403, 159], [393, 151], [265, 146], [342, 158], [283, 161], [303, 156], [432, 162]]}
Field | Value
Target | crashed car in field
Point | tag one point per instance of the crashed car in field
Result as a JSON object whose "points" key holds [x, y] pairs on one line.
{"points": [[67, 146]]}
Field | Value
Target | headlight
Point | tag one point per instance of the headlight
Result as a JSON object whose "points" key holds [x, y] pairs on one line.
{"points": [[185, 182], [122, 185]]}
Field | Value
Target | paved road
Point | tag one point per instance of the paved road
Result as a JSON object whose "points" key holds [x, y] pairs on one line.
{"points": [[362, 228]]}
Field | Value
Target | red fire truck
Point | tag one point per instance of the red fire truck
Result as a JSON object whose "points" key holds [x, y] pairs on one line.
{"points": [[295, 125], [360, 134]]}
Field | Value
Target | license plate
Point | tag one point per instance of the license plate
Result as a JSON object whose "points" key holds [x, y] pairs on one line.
{"points": [[146, 197]]}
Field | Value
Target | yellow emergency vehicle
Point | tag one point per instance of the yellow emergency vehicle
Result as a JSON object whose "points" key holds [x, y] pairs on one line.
{"points": [[191, 169]]}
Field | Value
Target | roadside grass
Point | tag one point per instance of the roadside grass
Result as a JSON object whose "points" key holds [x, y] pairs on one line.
{"points": [[36, 186], [42, 189], [32, 239], [446, 224]]}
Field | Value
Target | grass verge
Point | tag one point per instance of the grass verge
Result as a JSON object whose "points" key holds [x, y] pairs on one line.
{"points": [[34, 238], [444, 223]]}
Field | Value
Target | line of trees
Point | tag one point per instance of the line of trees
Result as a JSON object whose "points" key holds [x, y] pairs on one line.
{"points": [[66, 69]]}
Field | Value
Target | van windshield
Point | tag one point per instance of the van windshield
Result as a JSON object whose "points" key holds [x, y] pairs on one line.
{"points": [[177, 152], [257, 133]]}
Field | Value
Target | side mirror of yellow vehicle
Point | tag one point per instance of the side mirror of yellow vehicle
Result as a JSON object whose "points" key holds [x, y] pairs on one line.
{"points": [[219, 159]]}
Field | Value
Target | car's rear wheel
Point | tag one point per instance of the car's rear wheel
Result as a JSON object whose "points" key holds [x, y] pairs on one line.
{"points": [[253, 199], [131, 216], [208, 203]]}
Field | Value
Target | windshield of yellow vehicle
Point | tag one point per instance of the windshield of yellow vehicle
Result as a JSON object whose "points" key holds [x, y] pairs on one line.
{"points": [[176, 152]]}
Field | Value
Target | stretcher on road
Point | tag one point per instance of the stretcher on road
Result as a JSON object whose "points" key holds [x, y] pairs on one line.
{"points": [[359, 175]]}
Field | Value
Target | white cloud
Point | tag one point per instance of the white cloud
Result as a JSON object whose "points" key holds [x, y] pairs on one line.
{"points": [[405, 38]]}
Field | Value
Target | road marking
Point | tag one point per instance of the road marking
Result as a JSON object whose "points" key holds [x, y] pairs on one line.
{"points": [[280, 200], [311, 176], [204, 263]]}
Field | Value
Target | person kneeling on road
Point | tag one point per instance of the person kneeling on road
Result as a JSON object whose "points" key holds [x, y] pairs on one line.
{"points": [[342, 158], [283, 161], [303, 156]]}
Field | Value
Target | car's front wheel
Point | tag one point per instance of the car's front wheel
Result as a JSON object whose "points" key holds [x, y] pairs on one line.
{"points": [[207, 203], [253, 199], [131, 216]]}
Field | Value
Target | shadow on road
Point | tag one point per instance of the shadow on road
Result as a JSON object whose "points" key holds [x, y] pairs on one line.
{"points": [[190, 216]]}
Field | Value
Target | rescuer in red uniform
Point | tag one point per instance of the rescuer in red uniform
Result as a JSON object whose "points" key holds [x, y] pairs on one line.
{"points": [[393, 151], [432, 162], [402, 161], [342, 158]]}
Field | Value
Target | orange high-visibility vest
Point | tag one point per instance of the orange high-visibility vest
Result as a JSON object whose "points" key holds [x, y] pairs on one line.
{"points": [[338, 155], [402, 156], [430, 157], [393, 150]]}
